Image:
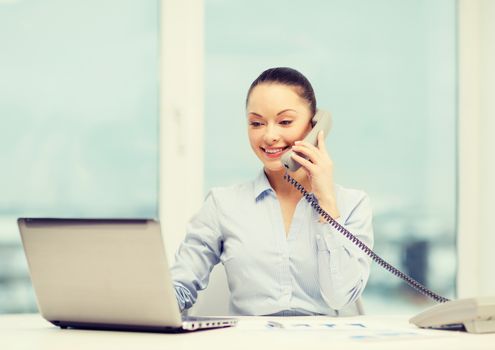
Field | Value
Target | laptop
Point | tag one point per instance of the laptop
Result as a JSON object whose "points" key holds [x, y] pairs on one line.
{"points": [[105, 274]]}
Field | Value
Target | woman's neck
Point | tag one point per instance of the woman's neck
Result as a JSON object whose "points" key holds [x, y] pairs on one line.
{"points": [[284, 188]]}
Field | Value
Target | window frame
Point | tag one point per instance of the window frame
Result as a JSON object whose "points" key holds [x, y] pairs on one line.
{"points": [[181, 117]]}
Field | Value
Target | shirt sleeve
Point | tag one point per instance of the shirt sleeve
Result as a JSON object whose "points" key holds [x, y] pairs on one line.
{"points": [[343, 268], [198, 254]]}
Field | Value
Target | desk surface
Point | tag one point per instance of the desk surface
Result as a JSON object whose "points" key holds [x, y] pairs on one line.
{"points": [[254, 333]]}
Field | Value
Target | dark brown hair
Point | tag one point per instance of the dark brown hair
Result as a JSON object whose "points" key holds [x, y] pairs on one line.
{"points": [[290, 77]]}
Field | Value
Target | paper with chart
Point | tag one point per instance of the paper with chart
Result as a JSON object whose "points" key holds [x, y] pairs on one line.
{"points": [[344, 328]]}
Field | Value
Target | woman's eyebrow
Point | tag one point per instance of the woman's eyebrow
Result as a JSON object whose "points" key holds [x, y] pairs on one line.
{"points": [[256, 114], [286, 110], [283, 111]]}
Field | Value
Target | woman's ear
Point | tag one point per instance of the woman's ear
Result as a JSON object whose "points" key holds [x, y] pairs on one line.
{"points": [[309, 128]]}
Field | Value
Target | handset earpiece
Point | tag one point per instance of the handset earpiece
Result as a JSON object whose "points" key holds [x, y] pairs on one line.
{"points": [[322, 120]]}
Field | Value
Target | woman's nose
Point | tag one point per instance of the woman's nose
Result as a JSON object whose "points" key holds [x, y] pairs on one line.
{"points": [[271, 135]]}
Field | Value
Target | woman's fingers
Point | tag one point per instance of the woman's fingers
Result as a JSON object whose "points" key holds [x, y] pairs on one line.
{"points": [[321, 142], [309, 166], [307, 150], [306, 144]]}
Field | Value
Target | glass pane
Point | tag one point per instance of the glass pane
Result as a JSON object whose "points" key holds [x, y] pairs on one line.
{"points": [[386, 69], [79, 114]]}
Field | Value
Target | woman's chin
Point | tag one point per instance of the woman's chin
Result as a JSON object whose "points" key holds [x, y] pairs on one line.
{"points": [[274, 166]]}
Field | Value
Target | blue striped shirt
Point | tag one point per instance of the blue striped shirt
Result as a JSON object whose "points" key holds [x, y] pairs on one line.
{"points": [[312, 270]]}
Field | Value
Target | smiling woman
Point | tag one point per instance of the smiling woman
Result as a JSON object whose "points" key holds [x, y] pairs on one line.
{"points": [[279, 258], [282, 103], [273, 128]]}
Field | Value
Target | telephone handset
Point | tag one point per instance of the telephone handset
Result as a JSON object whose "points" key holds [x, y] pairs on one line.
{"points": [[476, 315], [322, 120]]}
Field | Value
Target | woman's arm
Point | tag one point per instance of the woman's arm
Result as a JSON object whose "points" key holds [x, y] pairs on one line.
{"points": [[344, 268], [198, 254]]}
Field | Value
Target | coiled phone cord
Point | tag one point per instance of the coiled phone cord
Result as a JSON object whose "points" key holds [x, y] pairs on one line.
{"points": [[409, 280]]}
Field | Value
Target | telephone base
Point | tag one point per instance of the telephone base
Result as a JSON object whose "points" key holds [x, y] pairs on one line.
{"points": [[476, 314], [480, 326], [473, 326]]}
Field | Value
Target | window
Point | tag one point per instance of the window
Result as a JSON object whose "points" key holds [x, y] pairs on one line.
{"points": [[387, 71], [79, 114]]}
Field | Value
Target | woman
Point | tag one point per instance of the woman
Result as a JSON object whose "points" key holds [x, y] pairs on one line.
{"points": [[279, 256]]}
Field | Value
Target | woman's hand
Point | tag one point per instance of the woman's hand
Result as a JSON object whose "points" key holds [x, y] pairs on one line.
{"points": [[319, 169]]}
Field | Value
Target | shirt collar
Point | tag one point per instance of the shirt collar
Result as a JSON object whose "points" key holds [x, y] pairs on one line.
{"points": [[262, 186]]}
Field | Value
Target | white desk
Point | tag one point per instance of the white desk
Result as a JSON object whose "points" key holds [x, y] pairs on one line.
{"points": [[387, 332]]}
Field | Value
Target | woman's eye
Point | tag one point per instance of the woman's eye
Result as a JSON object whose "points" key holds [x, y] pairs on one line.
{"points": [[286, 122], [255, 124]]}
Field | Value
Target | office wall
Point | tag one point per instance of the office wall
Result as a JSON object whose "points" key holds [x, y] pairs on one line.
{"points": [[476, 234], [487, 147]]}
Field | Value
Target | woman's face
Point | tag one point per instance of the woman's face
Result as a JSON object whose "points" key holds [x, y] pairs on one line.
{"points": [[277, 117]]}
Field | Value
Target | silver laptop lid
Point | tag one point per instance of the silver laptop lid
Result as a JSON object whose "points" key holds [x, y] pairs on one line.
{"points": [[100, 271]]}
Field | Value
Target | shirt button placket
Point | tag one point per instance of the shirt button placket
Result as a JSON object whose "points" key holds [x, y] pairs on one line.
{"points": [[287, 283]]}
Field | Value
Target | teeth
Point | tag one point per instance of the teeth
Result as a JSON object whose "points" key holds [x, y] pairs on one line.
{"points": [[273, 150]]}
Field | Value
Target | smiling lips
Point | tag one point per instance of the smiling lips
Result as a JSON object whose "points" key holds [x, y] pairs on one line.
{"points": [[274, 152]]}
